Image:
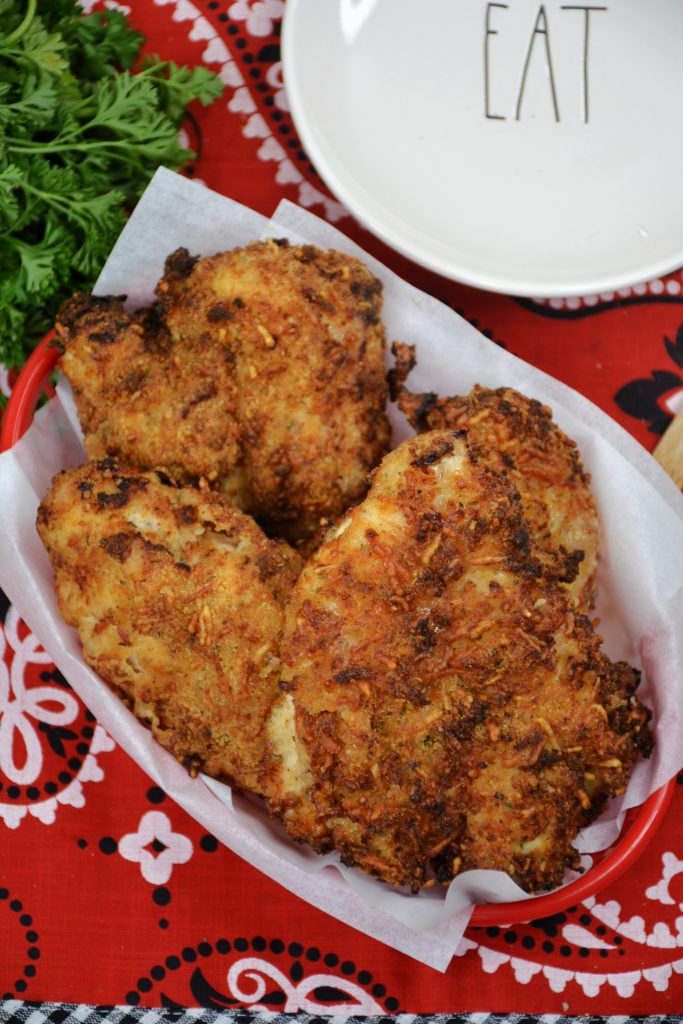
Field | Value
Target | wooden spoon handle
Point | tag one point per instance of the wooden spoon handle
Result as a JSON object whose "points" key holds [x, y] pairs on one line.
{"points": [[669, 451]]}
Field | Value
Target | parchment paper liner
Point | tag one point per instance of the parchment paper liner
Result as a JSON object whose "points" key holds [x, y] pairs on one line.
{"points": [[640, 575]]}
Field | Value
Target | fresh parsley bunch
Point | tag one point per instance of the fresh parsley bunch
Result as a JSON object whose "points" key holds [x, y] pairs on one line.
{"points": [[80, 137]]}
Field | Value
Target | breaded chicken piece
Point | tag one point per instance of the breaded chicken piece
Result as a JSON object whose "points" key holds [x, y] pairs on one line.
{"points": [[144, 399], [517, 435], [260, 369], [178, 601], [444, 707]]}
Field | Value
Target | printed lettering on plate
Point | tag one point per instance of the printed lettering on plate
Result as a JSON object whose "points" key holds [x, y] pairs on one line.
{"points": [[530, 64]]}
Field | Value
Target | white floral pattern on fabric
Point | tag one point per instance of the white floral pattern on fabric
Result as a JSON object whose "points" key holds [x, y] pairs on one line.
{"points": [[277, 84], [156, 847], [624, 983], [297, 996], [259, 15], [48, 705], [18, 705], [660, 892], [656, 286]]}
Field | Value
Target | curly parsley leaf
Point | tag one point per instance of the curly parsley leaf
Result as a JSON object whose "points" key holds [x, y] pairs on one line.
{"points": [[102, 44], [177, 86], [82, 130]]}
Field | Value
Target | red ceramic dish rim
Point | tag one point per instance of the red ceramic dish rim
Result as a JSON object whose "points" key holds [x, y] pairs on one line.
{"points": [[644, 820]]}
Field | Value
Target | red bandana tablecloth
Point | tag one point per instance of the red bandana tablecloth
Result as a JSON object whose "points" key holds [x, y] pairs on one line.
{"points": [[110, 893]]}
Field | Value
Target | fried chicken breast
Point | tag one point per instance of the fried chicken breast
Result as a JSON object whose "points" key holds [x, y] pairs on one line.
{"points": [[444, 706], [517, 435], [178, 601], [260, 370]]}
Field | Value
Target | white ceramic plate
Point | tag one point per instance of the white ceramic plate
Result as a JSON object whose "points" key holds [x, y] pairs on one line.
{"points": [[534, 149]]}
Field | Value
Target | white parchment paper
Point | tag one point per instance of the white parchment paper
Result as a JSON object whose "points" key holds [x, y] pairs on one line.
{"points": [[640, 574]]}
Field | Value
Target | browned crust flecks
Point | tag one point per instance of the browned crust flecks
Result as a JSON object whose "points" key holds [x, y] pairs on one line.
{"points": [[178, 599], [444, 706], [260, 371]]}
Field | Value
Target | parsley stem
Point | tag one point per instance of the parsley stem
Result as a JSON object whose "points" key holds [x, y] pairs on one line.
{"points": [[23, 25], [51, 198], [76, 147]]}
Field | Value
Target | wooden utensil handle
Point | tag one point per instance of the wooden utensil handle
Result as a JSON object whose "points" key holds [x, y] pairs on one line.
{"points": [[669, 451]]}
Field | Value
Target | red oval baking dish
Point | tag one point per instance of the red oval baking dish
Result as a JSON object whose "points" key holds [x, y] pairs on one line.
{"points": [[639, 827]]}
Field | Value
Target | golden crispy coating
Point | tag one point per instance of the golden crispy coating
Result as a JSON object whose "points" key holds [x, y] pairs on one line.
{"points": [[517, 435], [144, 399], [259, 369], [444, 706], [177, 598]]}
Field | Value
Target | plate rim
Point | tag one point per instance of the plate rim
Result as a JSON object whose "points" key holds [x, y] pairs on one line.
{"points": [[453, 271]]}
